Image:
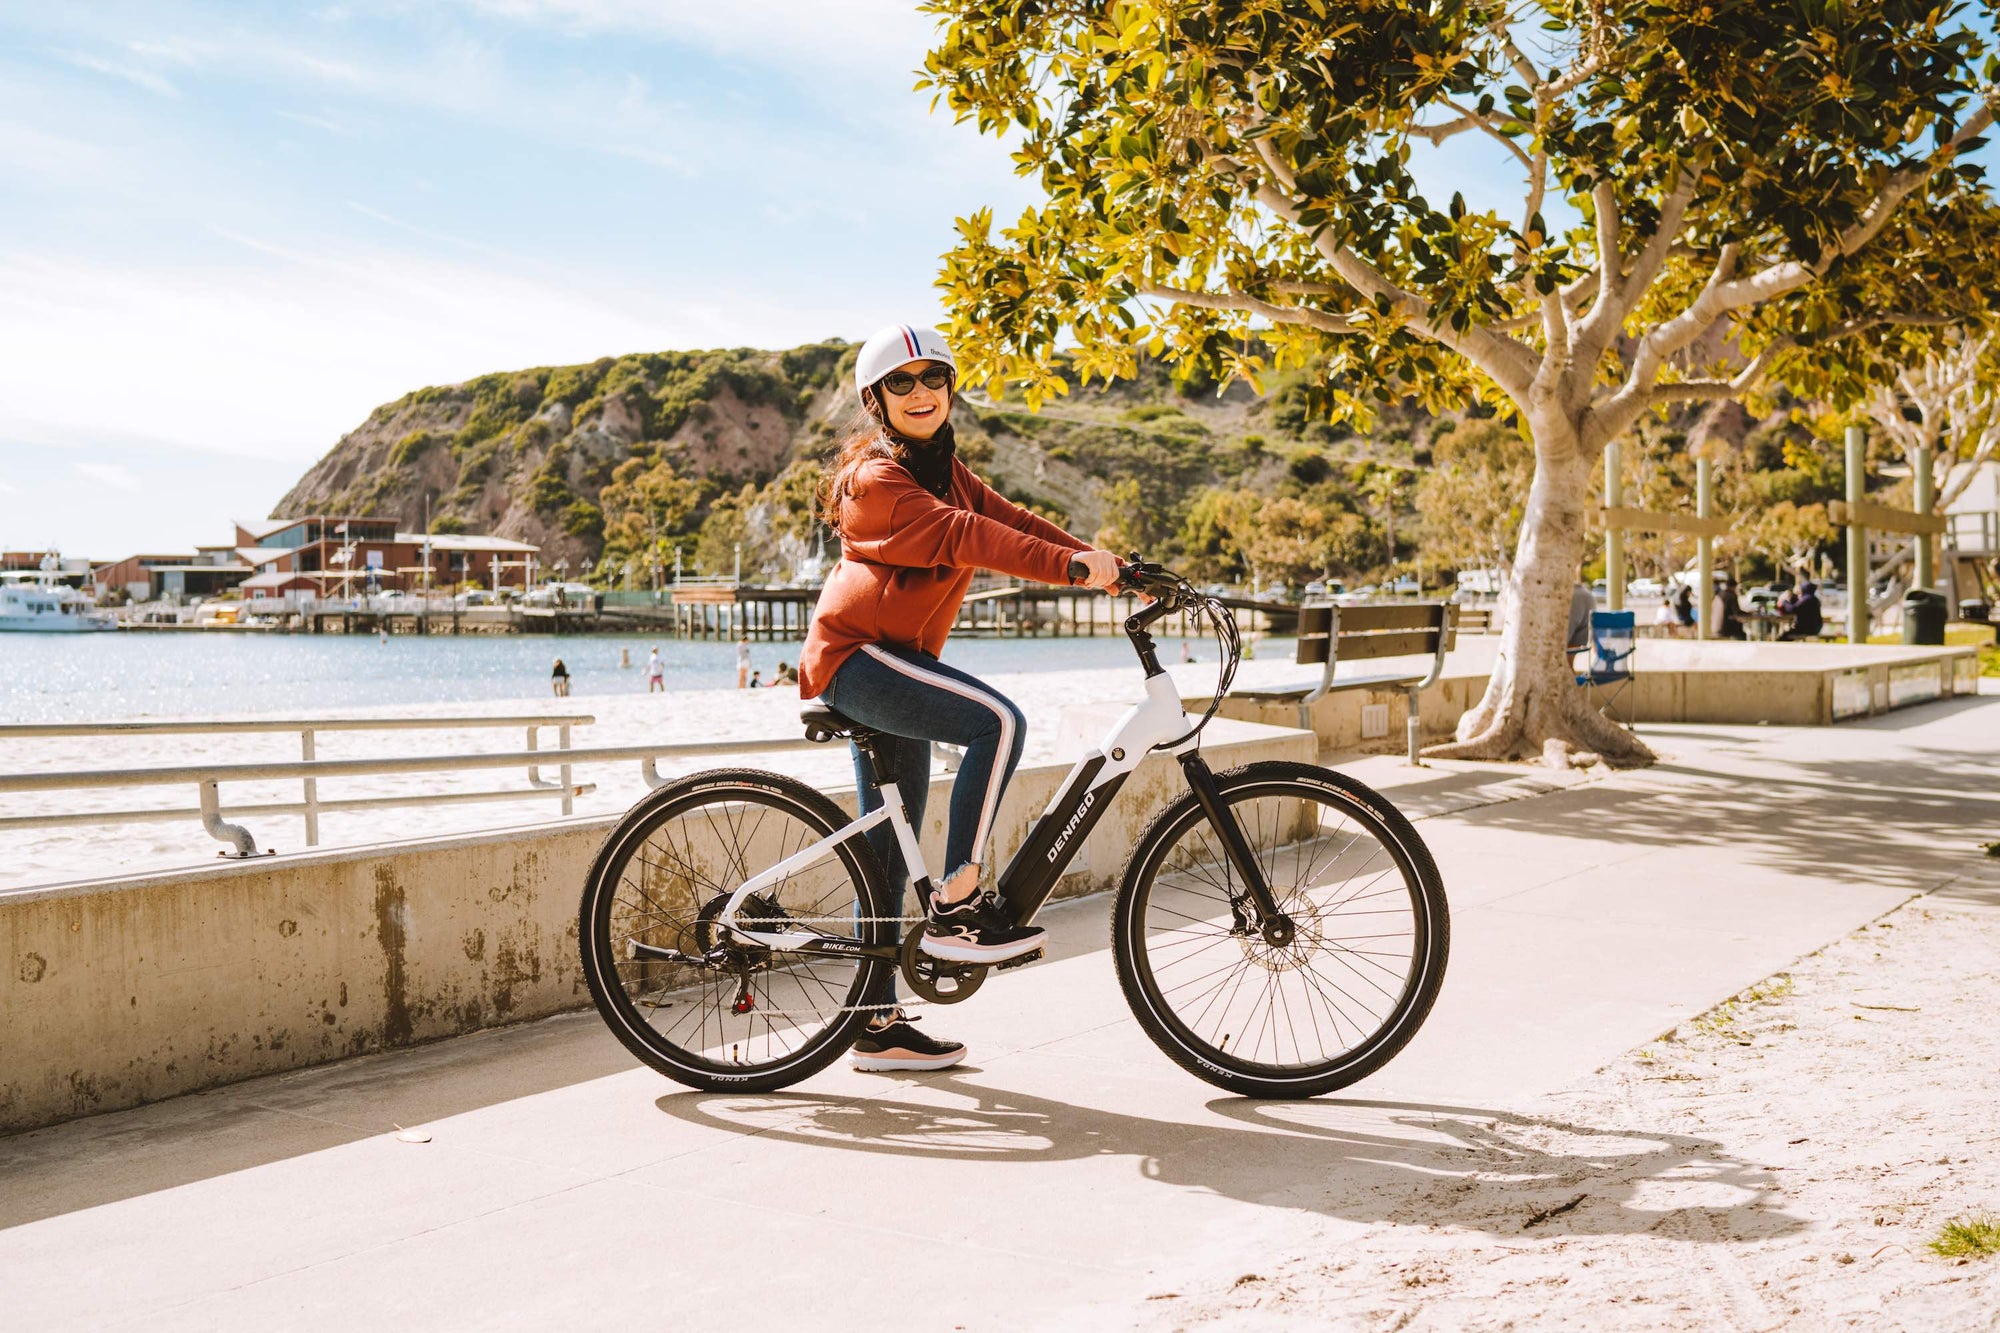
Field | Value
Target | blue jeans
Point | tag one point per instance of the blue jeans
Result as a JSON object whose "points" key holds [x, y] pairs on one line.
{"points": [[916, 699]]}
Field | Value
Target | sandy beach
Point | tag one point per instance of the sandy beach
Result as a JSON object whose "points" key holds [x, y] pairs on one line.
{"points": [[1780, 1162], [86, 850]]}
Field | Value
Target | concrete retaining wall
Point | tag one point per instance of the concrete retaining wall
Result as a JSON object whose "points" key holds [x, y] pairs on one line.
{"points": [[1784, 684], [132, 990]]}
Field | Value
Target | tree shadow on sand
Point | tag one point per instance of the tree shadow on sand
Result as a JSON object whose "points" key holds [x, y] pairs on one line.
{"points": [[1364, 1161]]}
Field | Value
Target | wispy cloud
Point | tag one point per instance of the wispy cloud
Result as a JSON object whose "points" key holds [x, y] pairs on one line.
{"points": [[144, 78], [26, 149], [876, 35], [114, 475], [328, 123]]}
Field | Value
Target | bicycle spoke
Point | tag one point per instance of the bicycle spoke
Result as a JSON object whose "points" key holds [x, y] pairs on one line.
{"points": [[1351, 958]]}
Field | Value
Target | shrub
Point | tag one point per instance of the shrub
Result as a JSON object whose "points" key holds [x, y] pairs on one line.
{"points": [[581, 518], [411, 447], [446, 525]]}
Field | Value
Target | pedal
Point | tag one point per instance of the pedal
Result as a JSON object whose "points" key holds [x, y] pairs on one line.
{"points": [[1032, 956]]}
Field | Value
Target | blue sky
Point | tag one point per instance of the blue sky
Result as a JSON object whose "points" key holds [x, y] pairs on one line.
{"points": [[229, 230]]}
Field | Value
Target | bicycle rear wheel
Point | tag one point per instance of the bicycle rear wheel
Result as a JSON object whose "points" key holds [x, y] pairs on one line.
{"points": [[1355, 982], [723, 1013]]}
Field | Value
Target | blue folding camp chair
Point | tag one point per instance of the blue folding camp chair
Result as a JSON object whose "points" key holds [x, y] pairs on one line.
{"points": [[1607, 661]]}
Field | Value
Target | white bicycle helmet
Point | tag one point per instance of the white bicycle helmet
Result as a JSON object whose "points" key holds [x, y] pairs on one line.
{"points": [[898, 345]]}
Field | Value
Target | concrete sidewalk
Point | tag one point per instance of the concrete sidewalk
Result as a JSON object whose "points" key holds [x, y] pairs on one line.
{"points": [[1064, 1175]]}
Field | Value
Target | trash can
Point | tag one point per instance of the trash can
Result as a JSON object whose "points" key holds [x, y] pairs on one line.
{"points": [[1923, 616], [1977, 612]]}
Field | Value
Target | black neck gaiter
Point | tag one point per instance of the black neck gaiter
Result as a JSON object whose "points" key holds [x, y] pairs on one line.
{"points": [[929, 461]]}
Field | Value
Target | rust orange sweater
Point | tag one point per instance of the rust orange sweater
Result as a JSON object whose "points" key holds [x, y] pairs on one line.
{"points": [[907, 557]]}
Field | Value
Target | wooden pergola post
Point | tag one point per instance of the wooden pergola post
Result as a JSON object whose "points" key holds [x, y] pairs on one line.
{"points": [[1859, 516], [1614, 538], [1702, 525]]}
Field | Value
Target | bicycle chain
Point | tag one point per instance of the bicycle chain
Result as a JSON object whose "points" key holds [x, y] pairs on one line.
{"points": [[912, 1003]]}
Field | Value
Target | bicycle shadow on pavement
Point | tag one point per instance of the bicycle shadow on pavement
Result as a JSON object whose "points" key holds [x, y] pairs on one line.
{"points": [[1405, 1163]]}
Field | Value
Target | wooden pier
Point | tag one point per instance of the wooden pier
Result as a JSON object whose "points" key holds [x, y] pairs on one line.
{"points": [[727, 613], [1028, 611]]}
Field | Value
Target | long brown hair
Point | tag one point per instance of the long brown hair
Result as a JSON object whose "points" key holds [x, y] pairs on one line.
{"points": [[865, 437]]}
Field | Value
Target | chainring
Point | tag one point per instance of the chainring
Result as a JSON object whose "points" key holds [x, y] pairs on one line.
{"points": [[936, 979]]}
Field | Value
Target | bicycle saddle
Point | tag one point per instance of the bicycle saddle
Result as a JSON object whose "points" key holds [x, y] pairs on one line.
{"points": [[824, 724]]}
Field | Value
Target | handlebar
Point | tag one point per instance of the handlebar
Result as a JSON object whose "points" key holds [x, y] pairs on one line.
{"points": [[1136, 575], [1167, 593]]}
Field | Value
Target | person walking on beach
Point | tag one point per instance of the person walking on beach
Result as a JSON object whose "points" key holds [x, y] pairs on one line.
{"points": [[559, 680], [743, 662], [914, 523], [656, 673]]}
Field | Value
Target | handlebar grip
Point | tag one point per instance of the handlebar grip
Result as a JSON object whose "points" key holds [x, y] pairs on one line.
{"points": [[1078, 572]]}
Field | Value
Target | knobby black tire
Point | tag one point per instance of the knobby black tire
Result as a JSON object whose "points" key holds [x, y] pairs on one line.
{"points": [[1206, 1060], [599, 951]]}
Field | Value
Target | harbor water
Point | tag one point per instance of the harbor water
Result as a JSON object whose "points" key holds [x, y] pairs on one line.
{"points": [[98, 677]]}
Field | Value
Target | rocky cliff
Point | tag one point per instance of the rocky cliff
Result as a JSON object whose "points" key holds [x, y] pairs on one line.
{"points": [[597, 463]]}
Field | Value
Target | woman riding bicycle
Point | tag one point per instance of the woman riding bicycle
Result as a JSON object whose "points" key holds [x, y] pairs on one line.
{"points": [[914, 523]]}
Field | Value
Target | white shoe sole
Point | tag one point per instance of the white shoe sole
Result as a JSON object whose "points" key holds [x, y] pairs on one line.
{"points": [[953, 952], [883, 1064]]}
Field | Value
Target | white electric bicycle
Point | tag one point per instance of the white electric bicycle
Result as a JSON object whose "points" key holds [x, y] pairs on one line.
{"points": [[1281, 930]]}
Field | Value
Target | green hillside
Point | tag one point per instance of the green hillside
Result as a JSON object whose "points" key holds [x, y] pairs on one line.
{"points": [[602, 464]]}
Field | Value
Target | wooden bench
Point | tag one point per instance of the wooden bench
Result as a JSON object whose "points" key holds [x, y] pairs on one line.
{"points": [[1329, 635]]}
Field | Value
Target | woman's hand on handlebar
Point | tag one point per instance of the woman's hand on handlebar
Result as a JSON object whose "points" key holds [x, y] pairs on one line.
{"points": [[1094, 569]]}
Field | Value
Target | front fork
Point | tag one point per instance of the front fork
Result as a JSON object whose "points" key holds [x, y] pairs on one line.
{"points": [[1274, 926]]}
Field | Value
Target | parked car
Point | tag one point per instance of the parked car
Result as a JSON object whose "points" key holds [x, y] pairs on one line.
{"points": [[1647, 587], [476, 597]]}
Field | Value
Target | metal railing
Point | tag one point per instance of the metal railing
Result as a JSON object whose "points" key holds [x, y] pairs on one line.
{"points": [[1975, 531], [307, 730], [207, 778]]}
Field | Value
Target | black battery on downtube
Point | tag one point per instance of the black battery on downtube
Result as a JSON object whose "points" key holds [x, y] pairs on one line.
{"points": [[1276, 928], [1031, 875]]}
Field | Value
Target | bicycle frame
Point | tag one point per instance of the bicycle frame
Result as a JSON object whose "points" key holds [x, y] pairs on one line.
{"points": [[1053, 840]]}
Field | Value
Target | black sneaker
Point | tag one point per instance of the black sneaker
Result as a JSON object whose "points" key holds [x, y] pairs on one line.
{"points": [[897, 1045], [976, 930]]}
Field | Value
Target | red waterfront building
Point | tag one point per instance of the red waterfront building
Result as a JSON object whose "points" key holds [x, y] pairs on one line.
{"points": [[339, 555]]}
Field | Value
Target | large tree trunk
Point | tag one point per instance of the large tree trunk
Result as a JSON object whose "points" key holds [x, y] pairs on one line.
{"points": [[1532, 697]]}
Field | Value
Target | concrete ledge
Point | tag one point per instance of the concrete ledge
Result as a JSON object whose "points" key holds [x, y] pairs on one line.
{"points": [[1676, 680], [127, 991]]}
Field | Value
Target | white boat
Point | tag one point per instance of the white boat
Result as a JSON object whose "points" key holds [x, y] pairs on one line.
{"points": [[37, 603]]}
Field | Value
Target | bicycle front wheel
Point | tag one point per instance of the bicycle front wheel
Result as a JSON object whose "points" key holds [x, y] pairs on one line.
{"points": [[1351, 987], [703, 1004]]}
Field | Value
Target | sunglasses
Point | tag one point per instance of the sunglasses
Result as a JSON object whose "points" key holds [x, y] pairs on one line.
{"points": [[899, 382]]}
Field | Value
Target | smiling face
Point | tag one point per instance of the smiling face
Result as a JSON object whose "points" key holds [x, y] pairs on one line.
{"points": [[917, 414]]}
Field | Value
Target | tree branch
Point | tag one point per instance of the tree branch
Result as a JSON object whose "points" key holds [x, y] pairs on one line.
{"points": [[1570, 80], [1752, 374], [1509, 362], [1277, 314], [1529, 74], [1484, 123], [1793, 274], [1437, 134]]}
